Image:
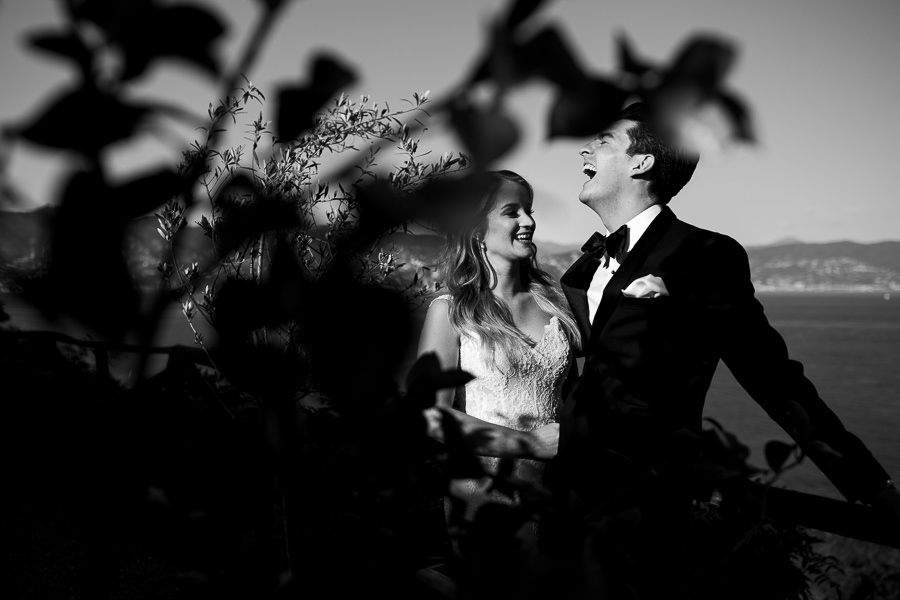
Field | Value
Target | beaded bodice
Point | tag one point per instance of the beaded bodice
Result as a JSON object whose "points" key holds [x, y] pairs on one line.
{"points": [[523, 391]]}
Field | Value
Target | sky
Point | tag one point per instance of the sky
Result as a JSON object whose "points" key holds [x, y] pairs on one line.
{"points": [[822, 78]]}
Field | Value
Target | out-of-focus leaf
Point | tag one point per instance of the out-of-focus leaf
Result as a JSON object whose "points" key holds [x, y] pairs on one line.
{"points": [[487, 134], [426, 377], [508, 61], [246, 213], [367, 326], [273, 4], [777, 453], [739, 113], [189, 36], [500, 62], [146, 30], [108, 15], [522, 10], [88, 278], [461, 462], [586, 110], [144, 194], [380, 209], [628, 61], [448, 204], [702, 62], [243, 306], [550, 57], [84, 120], [297, 106], [66, 45]]}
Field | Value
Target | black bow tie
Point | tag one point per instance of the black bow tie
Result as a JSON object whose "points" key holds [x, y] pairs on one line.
{"points": [[614, 244]]}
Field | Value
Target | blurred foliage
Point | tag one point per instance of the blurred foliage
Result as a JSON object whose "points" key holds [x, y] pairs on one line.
{"points": [[266, 195], [285, 460]]}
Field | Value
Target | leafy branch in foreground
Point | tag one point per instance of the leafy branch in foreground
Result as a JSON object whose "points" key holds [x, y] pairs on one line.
{"points": [[274, 184]]}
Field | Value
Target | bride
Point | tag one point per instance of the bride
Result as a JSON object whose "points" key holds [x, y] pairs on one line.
{"points": [[506, 323]]}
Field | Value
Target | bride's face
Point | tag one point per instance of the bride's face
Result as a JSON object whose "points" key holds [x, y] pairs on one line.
{"points": [[510, 226]]}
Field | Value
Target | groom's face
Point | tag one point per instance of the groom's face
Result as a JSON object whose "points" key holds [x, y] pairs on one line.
{"points": [[606, 164]]}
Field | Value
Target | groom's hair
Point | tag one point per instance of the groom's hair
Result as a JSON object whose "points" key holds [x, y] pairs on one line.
{"points": [[673, 166]]}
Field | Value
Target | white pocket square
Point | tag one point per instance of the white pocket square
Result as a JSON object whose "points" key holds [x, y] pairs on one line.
{"points": [[648, 286]]}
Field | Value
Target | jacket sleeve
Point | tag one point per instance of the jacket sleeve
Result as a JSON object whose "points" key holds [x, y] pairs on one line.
{"points": [[758, 358]]}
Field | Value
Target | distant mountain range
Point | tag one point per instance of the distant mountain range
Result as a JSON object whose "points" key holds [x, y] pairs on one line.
{"points": [[788, 266], [792, 266]]}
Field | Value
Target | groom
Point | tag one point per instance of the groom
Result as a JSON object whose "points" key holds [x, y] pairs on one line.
{"points": [[660, 303]]}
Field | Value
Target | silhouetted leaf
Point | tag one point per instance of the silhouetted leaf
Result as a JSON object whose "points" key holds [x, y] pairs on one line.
{"points": [[487, 134], [189, 35], [246, 213], [777, 453], [108, 15], [144, 194], [501, 61], [628, 61], [521, 11], [84, 120], [88, 278], [585, 111], [549, 56], [460, 462], [146, 30], [380, 210], [739, 114], [703, 62], [297, 106], [273, 4], [66, 45], [450, 203], [367, 326], [425, 377], [546, 54]]}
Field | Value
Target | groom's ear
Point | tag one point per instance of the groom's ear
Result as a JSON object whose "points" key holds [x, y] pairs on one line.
{"points": [[642, 163]]}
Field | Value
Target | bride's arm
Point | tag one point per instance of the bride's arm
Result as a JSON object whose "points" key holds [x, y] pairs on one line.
{"points": [[479, 436], [439, 338]]}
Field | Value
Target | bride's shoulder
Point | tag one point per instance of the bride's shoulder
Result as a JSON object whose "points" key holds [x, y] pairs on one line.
{"points": [[445, 297]]}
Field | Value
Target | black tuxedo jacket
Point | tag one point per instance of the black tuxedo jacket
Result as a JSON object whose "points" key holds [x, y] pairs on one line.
{"points": [[649, 362]]}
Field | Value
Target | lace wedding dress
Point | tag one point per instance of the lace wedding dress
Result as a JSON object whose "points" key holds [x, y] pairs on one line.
{"points": [[523, 393]]}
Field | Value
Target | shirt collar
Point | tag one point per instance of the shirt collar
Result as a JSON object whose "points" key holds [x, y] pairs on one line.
{"points": [[639, 224]]}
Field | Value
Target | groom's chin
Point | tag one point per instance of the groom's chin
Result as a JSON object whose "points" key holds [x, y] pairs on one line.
{"points": [[585, 199]]}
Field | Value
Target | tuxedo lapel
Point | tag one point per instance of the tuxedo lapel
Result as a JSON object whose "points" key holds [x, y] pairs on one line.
{"points": [[575, 282], [633, 261]]}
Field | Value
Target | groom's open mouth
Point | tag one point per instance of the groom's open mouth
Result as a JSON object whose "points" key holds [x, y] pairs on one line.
{"points": [[589, 170]]}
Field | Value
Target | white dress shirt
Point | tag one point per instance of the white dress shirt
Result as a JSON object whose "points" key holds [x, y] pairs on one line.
{"points": [[636, 228]]}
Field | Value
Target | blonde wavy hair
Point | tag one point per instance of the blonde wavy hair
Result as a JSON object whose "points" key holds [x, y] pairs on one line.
{"points": [[469, 277]]}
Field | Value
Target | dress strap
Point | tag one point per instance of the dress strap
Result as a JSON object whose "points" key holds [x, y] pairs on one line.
{"points": [[446, 297]]}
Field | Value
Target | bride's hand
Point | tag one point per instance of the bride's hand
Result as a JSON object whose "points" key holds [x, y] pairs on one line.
{"points": [[545, 441]]}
